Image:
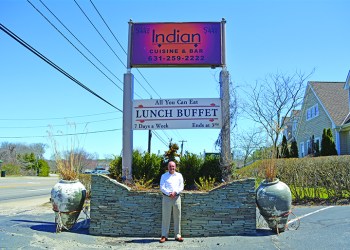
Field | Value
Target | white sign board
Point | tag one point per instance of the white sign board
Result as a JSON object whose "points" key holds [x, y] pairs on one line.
{"points": [[182, 113]]}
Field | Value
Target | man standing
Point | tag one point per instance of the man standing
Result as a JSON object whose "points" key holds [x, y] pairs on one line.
{"points": [[171, 185]]}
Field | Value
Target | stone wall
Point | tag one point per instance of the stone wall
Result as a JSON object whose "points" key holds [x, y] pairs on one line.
{"points": [[116, 210]]}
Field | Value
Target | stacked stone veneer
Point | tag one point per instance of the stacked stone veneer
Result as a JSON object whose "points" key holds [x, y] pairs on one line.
{"points": [[116, 210]]}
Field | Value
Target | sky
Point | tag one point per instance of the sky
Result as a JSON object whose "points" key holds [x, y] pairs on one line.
{"points": [[262, 37]]}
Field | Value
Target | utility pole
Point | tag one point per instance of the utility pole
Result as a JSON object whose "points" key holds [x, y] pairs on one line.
{"points": [[182, 146], [149, 140]]}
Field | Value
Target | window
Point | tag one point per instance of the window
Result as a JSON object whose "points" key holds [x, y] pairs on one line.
{"points": [[312, 112], [308, 147], [302, 149]]}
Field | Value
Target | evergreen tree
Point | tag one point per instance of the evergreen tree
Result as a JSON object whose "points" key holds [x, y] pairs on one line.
{"points": [[332, 148], [324, 143], [284, 148], [314, 148], [294, 153], [171, 153], [43, 167], [327, 144]]}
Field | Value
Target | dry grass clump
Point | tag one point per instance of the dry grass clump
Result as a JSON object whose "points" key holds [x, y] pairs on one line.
{"points": [[269, 166], [69, 161]]}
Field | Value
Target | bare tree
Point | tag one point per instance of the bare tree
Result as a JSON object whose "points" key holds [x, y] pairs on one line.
{"points": [[249, 141], [272, 100]]}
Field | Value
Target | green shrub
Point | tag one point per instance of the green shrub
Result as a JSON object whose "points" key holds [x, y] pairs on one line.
{"points": [[190, 166], [205, 184], [211, 167], [144, 165], [85, 179], [11, 169], [44, 169], [115, 168], [143, 184], [310, 178]]}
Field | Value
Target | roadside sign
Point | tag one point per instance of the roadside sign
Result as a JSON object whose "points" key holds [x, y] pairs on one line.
{"points": [[181, 113], [195, 44]]}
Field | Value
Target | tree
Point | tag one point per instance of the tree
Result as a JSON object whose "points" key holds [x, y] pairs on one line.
{"points": [[333, 149], [272, 100], [43, 167], [249, 141], [171, 154], [284, 148], [327, 144], [294, 153]]}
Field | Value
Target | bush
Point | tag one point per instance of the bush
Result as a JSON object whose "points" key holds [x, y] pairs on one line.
{"points": [[310, 178], [205, 184], [44, 169], [115, 168], [144, 166], [85, 179], [190, 166], [11, 169], [211, 167]]}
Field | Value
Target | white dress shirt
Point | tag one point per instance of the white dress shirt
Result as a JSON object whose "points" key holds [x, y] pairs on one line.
{"points": [[171, 182]]}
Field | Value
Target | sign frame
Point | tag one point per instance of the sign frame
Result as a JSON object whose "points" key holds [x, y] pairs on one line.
{"points": [[180, 113], [176, 44]]}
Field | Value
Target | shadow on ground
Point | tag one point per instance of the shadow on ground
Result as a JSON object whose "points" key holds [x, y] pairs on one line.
{"points": [[81, 227]]}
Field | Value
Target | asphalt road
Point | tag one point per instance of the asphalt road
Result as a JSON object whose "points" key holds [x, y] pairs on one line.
{"points": [[29, 187], [31, 226]]}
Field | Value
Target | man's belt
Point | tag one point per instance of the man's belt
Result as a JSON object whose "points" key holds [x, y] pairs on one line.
{"points": [[169, 195]]}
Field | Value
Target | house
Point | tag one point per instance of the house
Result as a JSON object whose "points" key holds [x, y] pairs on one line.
{"points": [[325, 105], [290, 125]]}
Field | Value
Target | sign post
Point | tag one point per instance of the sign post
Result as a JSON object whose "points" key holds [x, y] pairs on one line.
{"points": [[127, 126], [128, 136], [226, 156]]}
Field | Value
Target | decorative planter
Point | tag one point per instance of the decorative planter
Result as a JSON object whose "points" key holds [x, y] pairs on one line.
{"points": [[67, 199], [274, 201]]}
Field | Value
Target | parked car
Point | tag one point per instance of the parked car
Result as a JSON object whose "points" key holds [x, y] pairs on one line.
{"points": [[100, 171]]}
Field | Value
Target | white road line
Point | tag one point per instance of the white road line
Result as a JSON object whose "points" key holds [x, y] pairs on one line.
{"points": [[33, 190], [319, 210]]}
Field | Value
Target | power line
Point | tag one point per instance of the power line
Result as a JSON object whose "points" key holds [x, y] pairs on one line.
{"points": [[108, 27], [53, 118], [107, 42], [98, 12], [57, 135], [52, 64], [58, 125], [99, 33], [73, 44], [160, 138], [125, 53]]}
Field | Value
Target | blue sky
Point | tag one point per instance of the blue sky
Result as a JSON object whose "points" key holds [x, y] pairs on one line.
{"points": [[262, 37]]}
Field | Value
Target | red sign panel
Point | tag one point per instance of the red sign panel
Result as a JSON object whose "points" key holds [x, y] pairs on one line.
{"points": [[176, 44]]}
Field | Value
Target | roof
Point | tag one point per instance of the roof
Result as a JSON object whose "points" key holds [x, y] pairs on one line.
{"points": [[334, 98]]}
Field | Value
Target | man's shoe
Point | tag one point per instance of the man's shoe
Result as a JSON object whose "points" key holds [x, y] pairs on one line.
{"points": [[163, 239], [179, 239]]}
